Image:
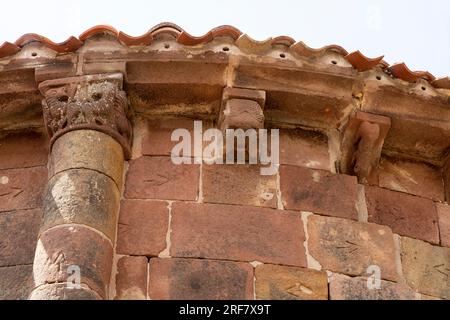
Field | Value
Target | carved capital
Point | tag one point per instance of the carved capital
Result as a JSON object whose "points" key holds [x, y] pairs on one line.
{"points": [[362, 144], [242, 109], [93, 102]]}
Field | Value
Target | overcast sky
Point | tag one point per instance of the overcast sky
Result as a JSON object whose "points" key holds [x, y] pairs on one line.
{"points": [[414, 31]]}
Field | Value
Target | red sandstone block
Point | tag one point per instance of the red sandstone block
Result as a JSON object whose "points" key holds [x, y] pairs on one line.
{"points": [[444, 223], [131, 278], [238, 184], [18, 236], [191, 279], [142, 227], [22, 188], [319, 191], [304, 148], [68, 245], [412, 177], [237, 233], [16, 282], [407, 215], [159, 178], [22, 150], [156, 140]]}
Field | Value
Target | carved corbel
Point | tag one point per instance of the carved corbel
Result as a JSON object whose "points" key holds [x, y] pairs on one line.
{"points": [[92, 102], [361, 146], [241, 109]]}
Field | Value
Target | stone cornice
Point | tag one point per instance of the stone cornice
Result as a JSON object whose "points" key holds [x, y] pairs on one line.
{"points": [[320, 93]]}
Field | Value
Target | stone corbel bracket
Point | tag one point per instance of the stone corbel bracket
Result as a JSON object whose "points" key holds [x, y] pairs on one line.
{"points": [[91, 102], [242, 109], [361, 146]]}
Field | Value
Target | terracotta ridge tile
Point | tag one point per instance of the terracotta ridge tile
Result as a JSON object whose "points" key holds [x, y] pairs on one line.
{"points": [[144, 39], [304, 50], [8, 49], [189, 40], [226, 31], [70, 45], [97, 30]]}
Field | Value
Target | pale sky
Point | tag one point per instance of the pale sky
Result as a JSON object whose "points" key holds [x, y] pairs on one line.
{"points": [[413, 31]]}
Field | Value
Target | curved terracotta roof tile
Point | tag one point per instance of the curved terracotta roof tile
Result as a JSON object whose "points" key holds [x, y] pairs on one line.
{"points": [[226, 31], [189, 40], [302, 49], [145, 39], [283, 40], [8, 49], [442, 83], [250, 45], [361, 62], [243, 41], [166, 28], [97, 30], [401, 71], [70, 45]]}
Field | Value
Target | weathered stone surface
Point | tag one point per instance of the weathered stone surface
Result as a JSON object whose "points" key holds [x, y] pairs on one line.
{"points": [[15, 282], [238, 184], [290, 283], [426, 267], [94, 102], [304, 148], [61, 247], [258, 96], [411, 177], [407, 215], [237, 233], [60, 291], [131, 278], [18, 236], [74, 150], [22, 188], [82, 196], [142, 227], [190, 279], [347, 288], [156, 140], [319, 192], [24, 149], [159, 178], [350, 247], [444, 223], [241, 114]]}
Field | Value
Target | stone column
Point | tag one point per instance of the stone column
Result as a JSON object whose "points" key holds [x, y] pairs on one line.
{"points": [[87, 118]]}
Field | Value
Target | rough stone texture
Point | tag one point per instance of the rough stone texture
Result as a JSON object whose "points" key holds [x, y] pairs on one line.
{"points": [[304, 148], [190, 279], [347, 288], [67, 245], [241, 114], [159, 178], [20, 150], [290, 283], [131, 278], [237, 233], [444, 223], [74, 150], [59, 291], [238, 184], [156, 140], [15, 282], [412, 177], [407, 215], [22, 188], [18, 236], [142, 227], [319, 192], [82, 196], [426, 267], [350, 247]]}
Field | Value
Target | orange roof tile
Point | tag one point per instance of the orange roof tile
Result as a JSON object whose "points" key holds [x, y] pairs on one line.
{"points": [[356, 59]]}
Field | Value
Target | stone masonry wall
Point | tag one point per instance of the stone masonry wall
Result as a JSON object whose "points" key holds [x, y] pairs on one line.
{"points": [[226, 232]]}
